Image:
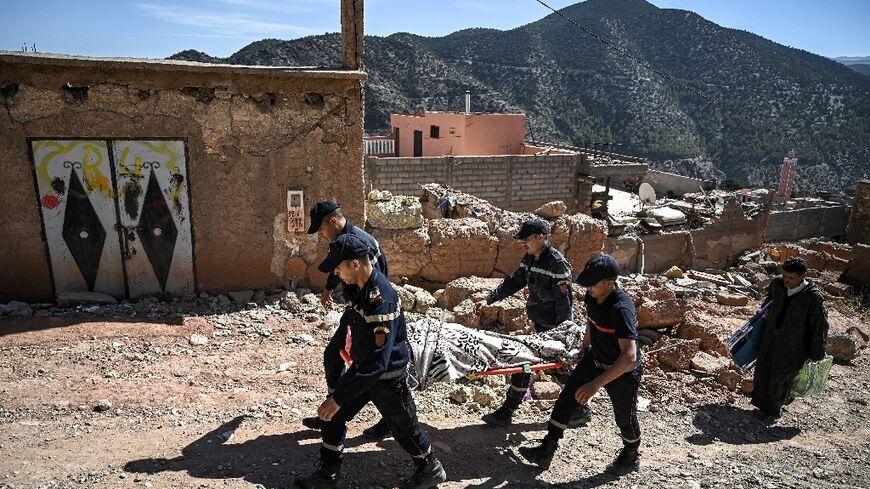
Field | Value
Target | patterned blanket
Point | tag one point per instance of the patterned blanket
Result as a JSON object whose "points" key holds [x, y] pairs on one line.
{"points": [[444, 352]]}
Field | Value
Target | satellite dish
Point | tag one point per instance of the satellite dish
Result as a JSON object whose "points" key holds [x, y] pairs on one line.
{"points": [[647, 193]]}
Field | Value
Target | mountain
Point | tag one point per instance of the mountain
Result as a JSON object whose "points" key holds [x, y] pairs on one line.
{"points": [[576, 90], [861, 64]]}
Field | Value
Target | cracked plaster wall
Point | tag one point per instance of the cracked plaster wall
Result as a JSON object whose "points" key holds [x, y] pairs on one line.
{"points": [[249, 138]]}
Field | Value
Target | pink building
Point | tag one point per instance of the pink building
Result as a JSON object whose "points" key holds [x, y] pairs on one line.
{"points": [[459, 134], [786, 178]]}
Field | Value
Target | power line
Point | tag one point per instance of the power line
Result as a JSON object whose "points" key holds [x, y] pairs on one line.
{"points": [[695, 91]]}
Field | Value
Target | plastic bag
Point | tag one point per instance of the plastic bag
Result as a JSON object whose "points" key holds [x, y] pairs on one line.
{"points": [[812, 378]]}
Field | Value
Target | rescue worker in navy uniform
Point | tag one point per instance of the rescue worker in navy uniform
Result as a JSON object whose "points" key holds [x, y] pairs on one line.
{"points": [[379, 372], [610, 359], [547, 274], [329, 223]]}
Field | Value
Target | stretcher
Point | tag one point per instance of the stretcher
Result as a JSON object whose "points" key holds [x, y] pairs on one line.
{"points": [[446, 352]]}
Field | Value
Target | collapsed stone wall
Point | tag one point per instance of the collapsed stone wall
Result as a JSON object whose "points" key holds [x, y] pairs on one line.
{"points": [[807, 223], [436, 250], [716, 245]]}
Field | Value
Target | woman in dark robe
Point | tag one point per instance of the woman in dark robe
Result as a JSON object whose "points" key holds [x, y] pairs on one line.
{"points": [[796, 330]]}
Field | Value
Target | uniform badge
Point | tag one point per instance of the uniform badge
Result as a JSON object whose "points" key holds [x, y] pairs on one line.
{"points": [[381, 333], [563, 286]]}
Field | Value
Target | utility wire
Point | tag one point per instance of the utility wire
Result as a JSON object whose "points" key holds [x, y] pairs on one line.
{"points": [[695, 91]]}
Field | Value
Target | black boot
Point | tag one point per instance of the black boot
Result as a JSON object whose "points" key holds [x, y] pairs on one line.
{"points": [[377, 431], [502, 416], [580, 417], [313, 423], [326, 477], [627, 461], [541, 455], [426, 476]]}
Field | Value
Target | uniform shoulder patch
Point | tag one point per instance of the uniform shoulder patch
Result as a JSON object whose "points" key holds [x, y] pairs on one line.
{"points": [[374, 295]]}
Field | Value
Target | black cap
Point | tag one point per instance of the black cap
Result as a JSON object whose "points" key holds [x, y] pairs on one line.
{"points": [[318, 212], [532, 226], [599, 267], [345, 247]]}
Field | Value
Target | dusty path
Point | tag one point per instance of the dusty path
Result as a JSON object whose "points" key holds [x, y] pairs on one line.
{"points": [[174, 405]]}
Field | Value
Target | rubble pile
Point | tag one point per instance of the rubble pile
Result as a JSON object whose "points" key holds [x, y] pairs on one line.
{"points": [[459, 235], [684, 318]]}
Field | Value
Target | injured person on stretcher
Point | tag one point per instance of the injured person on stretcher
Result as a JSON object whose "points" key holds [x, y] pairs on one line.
{"points": [[446, 352]]}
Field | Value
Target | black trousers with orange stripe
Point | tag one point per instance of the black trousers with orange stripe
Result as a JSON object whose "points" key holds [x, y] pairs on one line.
{"points": [[622, 392], [396, 404]]}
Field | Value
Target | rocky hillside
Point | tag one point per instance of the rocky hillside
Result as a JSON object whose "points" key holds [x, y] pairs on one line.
{"points": [[576, 90]]}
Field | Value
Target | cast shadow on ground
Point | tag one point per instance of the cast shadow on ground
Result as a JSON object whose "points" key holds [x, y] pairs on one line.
{"points": [[476, 452], [735, 426]]}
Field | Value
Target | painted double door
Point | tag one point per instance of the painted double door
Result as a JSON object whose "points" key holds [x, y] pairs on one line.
{"points": [[116, 215]]}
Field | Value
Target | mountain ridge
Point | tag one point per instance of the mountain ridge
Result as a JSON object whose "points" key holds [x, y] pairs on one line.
{"points": [[577, 91]]}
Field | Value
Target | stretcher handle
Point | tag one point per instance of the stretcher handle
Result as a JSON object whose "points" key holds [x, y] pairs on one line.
{"points": [[493, 371], [518, 370]]}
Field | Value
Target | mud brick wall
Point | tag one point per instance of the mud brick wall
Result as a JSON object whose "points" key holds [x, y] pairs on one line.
{"points": [[250, 135], [859, 220], [515, 182], [808, 223], [720, 243]]}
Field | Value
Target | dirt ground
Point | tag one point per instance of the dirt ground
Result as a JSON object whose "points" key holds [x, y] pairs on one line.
{"points": [[227, 414]]}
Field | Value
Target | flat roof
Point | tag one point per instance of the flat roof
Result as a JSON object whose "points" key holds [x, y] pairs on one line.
{"points": [[53, 59]]}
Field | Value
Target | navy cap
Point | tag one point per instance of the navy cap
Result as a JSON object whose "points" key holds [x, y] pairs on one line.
{"points": [[318, 212], [532, 226], [345, 247], [599, 267]]}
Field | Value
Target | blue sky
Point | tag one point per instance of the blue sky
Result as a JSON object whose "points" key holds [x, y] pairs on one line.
{"points": [[159, 28]]}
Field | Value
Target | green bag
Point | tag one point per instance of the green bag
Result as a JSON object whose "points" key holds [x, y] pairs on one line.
{"points": [[812, 378]]}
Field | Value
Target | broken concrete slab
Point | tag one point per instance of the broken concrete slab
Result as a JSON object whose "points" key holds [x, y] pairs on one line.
{"points": [[677, 353], [464, 288], [713, 332], [399, 212], [657, 307], [731, 299], [709, 364], [406, 298], [546, 390], [423, 300], [708, 277]]}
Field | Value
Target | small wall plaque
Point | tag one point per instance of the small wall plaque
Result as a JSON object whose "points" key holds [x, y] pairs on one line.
{"points": [[295, 211]]}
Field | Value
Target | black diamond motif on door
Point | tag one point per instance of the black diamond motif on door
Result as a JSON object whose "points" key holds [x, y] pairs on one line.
{"points": [[83, 232], [157, 231]]}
